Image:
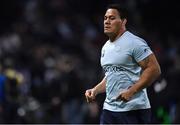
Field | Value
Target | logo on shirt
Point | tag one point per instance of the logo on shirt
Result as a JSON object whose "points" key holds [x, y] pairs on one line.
{"points": [[102, 54], [145, 50]]}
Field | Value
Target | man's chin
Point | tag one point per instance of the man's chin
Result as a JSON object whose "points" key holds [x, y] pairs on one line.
{"points": [[107, 33]]}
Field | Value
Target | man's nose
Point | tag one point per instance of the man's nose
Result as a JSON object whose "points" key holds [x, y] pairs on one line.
{"points": [[107, 21]]}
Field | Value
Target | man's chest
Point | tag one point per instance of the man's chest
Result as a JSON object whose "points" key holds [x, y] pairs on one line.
{"points": [[115, 54]]}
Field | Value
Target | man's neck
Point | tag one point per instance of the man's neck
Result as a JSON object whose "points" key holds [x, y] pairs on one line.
{"points": [[115, 37]]}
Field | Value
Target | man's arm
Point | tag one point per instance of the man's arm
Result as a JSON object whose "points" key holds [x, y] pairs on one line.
{"points": [[99, 88], [151, 71]]}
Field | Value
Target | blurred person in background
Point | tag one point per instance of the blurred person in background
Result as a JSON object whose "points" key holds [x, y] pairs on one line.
{"points": [[130, 67]]}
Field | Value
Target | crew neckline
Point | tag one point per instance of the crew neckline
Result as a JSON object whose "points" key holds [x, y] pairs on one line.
{"points": [[119, 37]]}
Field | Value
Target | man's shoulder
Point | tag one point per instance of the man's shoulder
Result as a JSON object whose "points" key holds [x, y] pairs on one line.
{"points": [[133, 36], [136, 39], [106, 43]]}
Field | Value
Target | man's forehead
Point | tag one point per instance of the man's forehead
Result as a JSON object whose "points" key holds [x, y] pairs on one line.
{"points": [[112, 12]]}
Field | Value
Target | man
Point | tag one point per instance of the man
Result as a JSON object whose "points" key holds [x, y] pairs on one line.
{"points": [[130, 67]]}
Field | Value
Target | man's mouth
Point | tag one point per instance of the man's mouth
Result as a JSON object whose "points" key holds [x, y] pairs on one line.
{"points": [[106, 27]]}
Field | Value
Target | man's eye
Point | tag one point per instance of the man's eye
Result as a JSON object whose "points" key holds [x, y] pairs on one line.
{"points": [[112, 18]]}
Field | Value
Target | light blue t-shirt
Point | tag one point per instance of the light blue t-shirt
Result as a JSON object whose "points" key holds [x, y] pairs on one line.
{"points": [[119, 61]]}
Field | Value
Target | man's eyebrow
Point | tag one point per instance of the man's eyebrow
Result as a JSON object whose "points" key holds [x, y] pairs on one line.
{"points": [[109, 16]]}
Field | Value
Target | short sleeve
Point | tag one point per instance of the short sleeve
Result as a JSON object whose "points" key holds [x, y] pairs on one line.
{"points": [[141, 50]]}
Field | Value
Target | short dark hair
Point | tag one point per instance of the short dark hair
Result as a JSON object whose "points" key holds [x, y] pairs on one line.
{"points": [[123, 12]]}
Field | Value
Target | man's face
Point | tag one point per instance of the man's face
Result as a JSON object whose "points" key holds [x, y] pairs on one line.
{"points": [[112, 22]]}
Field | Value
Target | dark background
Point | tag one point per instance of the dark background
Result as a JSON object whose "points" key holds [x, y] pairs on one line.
{"points": [[50, 50]]}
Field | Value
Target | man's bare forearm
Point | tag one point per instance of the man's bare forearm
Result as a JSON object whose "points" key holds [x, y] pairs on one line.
{"points": [[148, 76], [150, 73], [101, 87]]}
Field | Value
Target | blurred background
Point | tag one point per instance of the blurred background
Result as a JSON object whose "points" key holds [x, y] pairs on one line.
{"points": [[50, 51]]}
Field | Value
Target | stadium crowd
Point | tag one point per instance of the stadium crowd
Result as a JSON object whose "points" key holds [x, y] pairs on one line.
{"points": [[49, 56]]}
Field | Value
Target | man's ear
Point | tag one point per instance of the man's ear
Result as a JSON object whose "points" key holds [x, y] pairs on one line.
{"points": [[124, 22]]}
